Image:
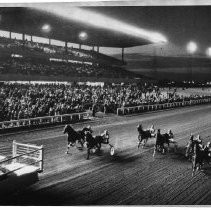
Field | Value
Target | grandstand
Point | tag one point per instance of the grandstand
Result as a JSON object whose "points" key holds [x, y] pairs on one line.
{"points": [[36, 59], [26, 56]]}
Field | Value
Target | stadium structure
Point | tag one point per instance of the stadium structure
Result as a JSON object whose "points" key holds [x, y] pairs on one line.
{"points": [[69, 61]]}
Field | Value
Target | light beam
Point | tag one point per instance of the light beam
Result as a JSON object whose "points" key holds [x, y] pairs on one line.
{"points": [[102, 21]]}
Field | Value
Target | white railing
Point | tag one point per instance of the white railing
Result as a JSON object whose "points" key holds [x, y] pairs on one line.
{"points": [[44, 120], [144, 108], [24, 155]]}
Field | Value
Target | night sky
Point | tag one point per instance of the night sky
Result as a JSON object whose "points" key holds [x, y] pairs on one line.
{"points": [[179, 24]]}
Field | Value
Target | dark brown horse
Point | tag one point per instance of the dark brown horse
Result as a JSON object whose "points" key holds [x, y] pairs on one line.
{"points": [[161, 140], [96, 142], [200, 156], [144, 135], [73, 137]]}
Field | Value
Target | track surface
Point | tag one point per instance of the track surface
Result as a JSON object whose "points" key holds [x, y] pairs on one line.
{"points": [[131, 177]]}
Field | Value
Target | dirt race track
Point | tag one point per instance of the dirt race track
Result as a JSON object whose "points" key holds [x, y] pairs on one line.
{"points": [[131, 176]]}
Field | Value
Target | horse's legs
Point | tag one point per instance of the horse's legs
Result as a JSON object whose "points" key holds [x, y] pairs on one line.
{"points": [[68, 147], [175, 147], [145, 142], [99, 146], [193, 169], [155, 148], [162, 149], [193, 165], [88, 153], [201, 164], [139, 140], [193, 172], [82, 145], [187, 152], [168, 148]]}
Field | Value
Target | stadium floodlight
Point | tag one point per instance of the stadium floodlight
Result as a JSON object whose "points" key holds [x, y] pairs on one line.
{"points": [[208, 51], [83, 36], [46, 28], [191, 47], [101, 21]]}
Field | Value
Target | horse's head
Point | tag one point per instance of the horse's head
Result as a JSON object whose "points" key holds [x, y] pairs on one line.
{"points": [[139, 127], [191, 139], [68, 128]]}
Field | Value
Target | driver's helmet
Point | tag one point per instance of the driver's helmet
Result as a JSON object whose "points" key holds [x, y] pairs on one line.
{"points": [[139, 126], [198, 138], [153, 127], [89, 127], [106, 132]]}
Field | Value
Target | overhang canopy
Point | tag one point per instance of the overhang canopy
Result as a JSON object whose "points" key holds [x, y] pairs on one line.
{"points": [[28, 21]]}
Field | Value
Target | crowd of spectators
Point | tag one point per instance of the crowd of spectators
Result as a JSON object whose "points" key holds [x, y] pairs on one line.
{"points": [[42, 48], [52, 68], [56, 51], [29, 67], [60, 61], [21, 101]]}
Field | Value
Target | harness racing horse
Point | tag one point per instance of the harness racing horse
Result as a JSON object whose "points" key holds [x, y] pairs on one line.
{"points": [[73, 137], [162, 139], [200, 155], [197, 157], [207, 153], [144, 135], [189, 148], [95, 142]]}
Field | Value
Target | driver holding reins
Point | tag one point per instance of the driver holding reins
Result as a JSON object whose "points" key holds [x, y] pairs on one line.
{"points": [[105, 134], [88, 129], [171, 135], [152, 129], [199, 140]]}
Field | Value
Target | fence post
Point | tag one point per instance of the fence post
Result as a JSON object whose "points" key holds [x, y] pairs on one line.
{"points": [[14, 151], [41, 158]]}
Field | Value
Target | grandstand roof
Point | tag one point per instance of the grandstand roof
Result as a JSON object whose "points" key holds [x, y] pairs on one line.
{"points": [[28, 21]]}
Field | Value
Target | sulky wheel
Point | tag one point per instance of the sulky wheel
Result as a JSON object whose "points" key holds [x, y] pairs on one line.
{"points": [[112, 151]]}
